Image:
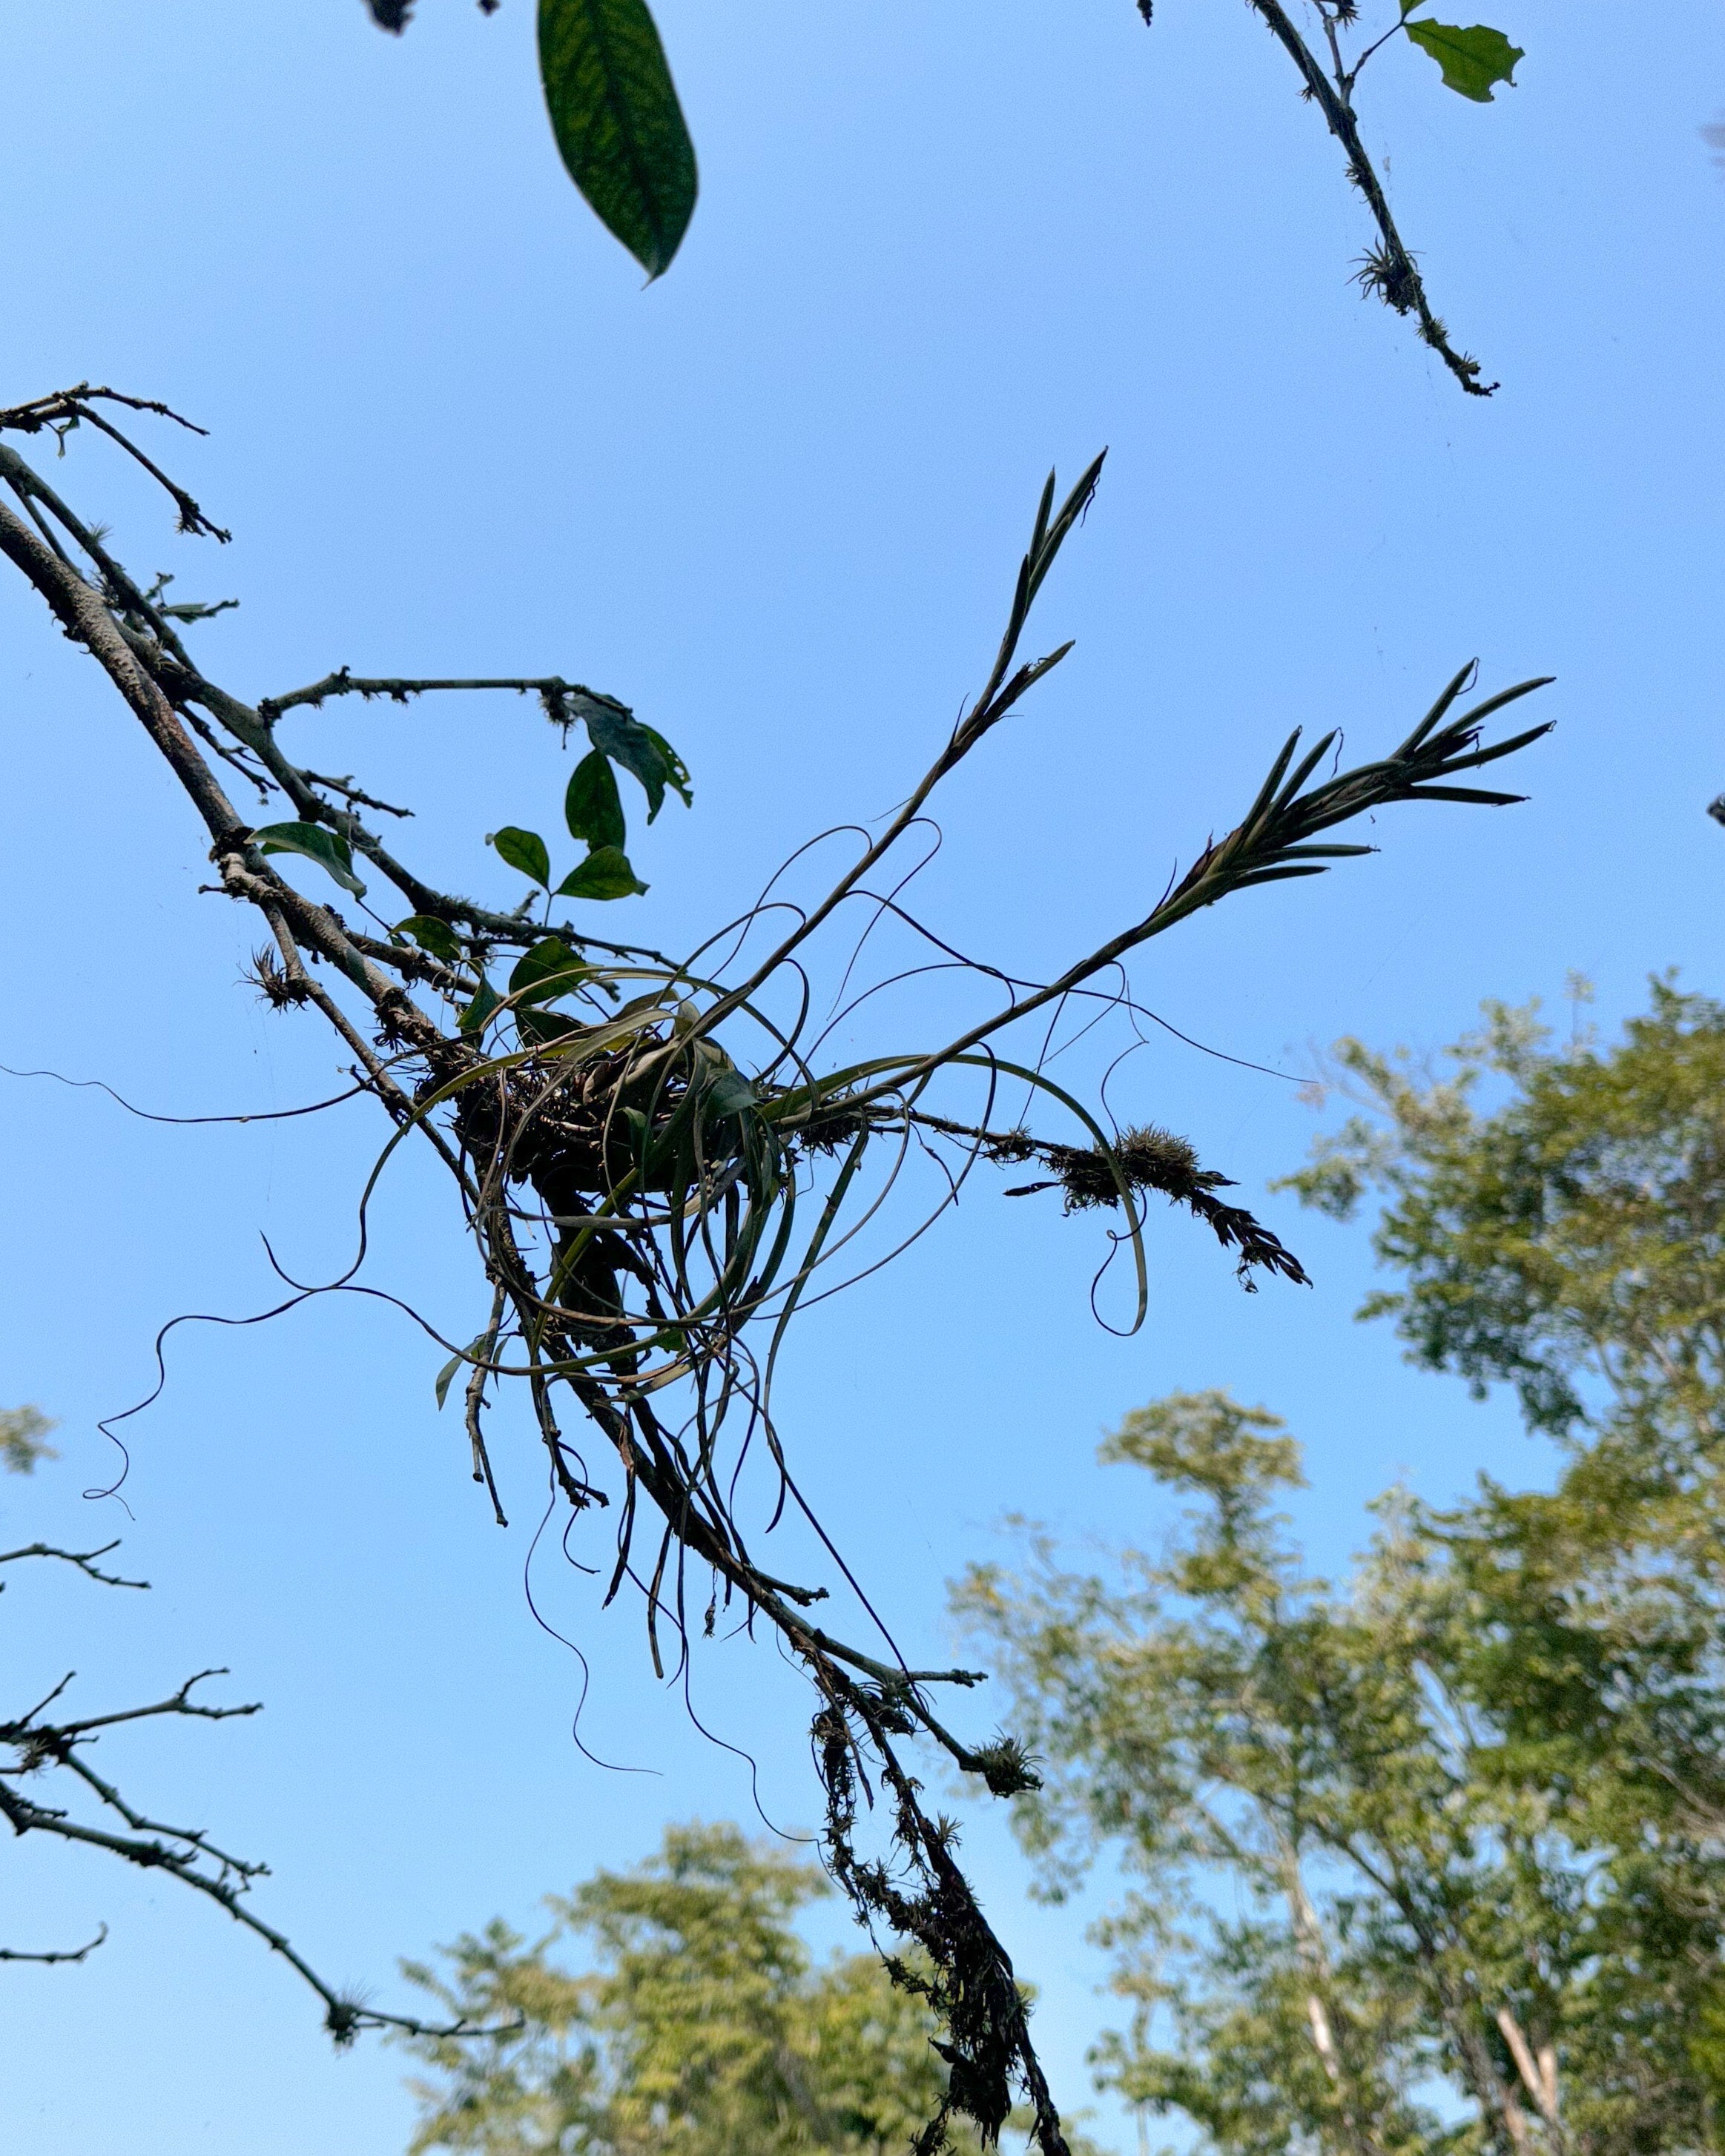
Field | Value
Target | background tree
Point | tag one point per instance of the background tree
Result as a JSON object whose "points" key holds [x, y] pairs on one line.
{"points": [[1472, 1797], [704, 2027], [1393, 1893]]}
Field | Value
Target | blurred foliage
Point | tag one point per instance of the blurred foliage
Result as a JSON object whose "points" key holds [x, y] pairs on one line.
{"points": [[24, 1435]]}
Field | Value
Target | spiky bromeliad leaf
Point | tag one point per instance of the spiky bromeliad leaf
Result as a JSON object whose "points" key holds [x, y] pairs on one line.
{"points": [[1473, 60], [619, 127]]}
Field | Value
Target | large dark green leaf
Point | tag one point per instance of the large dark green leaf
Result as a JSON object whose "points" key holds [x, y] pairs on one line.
{"points": [[549, 969], [591, 807], [605, 874], [618, 125], [487, 1000], [316, 844], [524, 850], [1472, 60], [624, 739]]}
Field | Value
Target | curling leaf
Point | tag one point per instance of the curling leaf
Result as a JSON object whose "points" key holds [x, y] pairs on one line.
{"points": [[591, 807], [326, 848], [676, 771], [622, 737], [605, 874], [1472, 60], [524, 850], [550, 969], [431, 935], [619, 127]]}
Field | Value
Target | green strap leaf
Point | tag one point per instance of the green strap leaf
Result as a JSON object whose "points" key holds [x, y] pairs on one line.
{"points": [[591, 807], [524, 850], [329, 850], [1472, 60], [619, 126], [605, 874]]}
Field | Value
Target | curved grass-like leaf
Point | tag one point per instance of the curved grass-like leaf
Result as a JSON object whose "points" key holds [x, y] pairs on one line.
{"points": [[619, 127]]}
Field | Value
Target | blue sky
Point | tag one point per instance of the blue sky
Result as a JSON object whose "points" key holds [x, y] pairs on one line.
{"points": [[775, 502]]}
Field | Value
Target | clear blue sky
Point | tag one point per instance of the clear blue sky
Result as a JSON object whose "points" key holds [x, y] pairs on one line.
{"points": [[775, 502]]}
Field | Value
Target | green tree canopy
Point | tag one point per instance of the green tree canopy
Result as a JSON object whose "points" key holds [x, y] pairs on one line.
{"points": [[1467, 1807], [1410, 1869], [703, 2028], [1569, 1241]]}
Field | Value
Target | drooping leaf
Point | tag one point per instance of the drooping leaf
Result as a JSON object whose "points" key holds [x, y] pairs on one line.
{"points": [[431, 935], [480, 1345], [676, 771], [605, 874], [524, 850], [485, 1001], [550, 969], [624, 739], [619, 127], [326, 848], [591, 807], [1472, 60]]}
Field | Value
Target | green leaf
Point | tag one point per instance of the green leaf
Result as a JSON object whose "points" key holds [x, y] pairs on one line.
{"points": [[605, 874], [326, 847], [1472, 60], [549, 970], [729, 1093], [537, 1028], [431, 935], [480, 1346], [524, 850], [619, 127], [591, 807], [676, 771], [623, 738], [480, 1009]]}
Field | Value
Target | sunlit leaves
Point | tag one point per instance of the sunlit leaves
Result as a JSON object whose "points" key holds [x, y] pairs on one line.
{"points": [[619, 126]]}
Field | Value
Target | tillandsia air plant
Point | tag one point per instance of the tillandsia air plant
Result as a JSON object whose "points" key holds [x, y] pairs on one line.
{"points": [[658, 1163]]}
